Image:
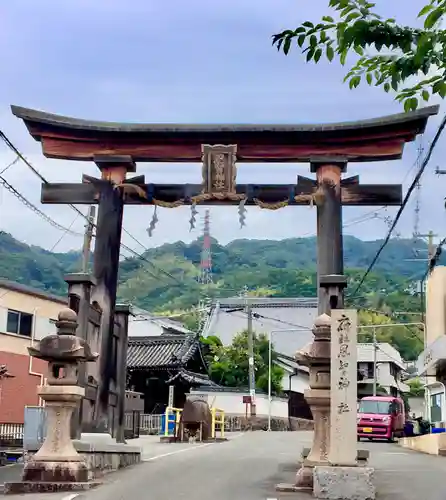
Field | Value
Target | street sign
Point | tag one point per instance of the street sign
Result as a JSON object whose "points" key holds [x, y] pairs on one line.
{"points": [[170, 402]]}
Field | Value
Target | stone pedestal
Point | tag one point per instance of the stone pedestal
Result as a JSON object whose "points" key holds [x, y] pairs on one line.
{"points": [[57, 460], [344, 483]]}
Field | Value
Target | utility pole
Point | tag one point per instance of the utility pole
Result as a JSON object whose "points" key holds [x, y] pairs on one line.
{"points": [[430, 254], [375, 364], [251, 374], [88, 236]]}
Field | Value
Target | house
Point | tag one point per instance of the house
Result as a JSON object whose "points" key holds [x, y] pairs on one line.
{"points": [[431, 363], [26, 315], [157, 362], [288, 320], [295, 381], [389, 369]]}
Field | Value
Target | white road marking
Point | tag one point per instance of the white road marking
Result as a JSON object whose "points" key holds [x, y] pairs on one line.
{"points": [[176, 452], [395, 453], [70, 497], [186, 449]]}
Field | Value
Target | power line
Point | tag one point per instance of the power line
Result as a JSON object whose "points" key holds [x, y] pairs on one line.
{"points": [[64, 234], [405, 201], [149, 262], [79, 212], [10, 165], [36, 210]]}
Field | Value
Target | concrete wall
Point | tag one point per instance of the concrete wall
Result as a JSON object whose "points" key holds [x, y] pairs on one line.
{"points": [[429, 443], [417, 406], [232, 402], [299, 382]]}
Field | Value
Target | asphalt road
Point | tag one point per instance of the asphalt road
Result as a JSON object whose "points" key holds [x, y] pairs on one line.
{"points": [[250, 465]]}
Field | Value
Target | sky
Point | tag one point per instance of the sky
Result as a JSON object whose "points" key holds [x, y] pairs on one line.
{"points": [[187, 62]]}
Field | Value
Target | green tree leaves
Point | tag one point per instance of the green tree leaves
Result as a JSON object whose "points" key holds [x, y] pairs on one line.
{"points": [[391, 55], [229, 365]]}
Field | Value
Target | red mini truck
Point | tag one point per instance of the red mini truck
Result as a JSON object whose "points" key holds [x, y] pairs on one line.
{"points": [[380, 417]]}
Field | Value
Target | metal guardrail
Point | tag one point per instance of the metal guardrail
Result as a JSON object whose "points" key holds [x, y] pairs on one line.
{"points": [[11, 435], [151, 423]]}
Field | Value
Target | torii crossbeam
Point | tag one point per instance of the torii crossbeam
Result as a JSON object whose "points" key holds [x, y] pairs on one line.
{"points": [[115, 147]]}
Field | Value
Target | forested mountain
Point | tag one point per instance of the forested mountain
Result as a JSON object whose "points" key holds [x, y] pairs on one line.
{"points": [[165, 279]]}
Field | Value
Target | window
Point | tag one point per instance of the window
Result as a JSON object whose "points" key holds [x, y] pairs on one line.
{"points": [[436, 408], [376, 407], [393, 370], [20, 323]]}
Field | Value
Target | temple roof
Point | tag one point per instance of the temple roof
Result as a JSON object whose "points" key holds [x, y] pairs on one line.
{"points": [[270, 314], [364, 140], [197, 379], [160, 352]]}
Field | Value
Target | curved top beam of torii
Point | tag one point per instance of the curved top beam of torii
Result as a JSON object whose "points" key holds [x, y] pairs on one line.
{"points": [[375, 139]]}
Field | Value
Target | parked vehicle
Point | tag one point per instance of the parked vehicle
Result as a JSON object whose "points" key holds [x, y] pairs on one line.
{"points": [[380, 417]]}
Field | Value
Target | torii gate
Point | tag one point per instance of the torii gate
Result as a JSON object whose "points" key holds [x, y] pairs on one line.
{"points": [[116, 147]]}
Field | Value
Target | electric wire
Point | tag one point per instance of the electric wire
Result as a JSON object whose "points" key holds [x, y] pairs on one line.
{"points": [[405, 201], [33, 208], [20, 156]]}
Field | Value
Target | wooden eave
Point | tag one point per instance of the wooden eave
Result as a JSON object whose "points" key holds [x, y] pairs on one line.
{"points": [[366, 140]]}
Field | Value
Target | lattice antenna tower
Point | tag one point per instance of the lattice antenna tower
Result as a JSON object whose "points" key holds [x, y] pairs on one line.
{"points": [[205, 278], [206, 257], [416, 222]]}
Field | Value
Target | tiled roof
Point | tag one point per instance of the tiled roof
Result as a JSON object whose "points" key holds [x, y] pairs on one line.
{"points": [[268, 302], [197, 379], [143, 323], [270, 314], [28, 290], [161, 351], [385, 353], [289, 363]]}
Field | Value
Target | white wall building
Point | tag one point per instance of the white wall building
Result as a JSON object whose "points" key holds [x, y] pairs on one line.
{"points": [[431, 364], [389, 369]]}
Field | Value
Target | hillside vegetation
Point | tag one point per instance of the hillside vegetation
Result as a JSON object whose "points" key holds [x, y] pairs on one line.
{"points": [[166, 279]]}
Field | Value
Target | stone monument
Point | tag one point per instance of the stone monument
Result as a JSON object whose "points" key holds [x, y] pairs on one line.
{"points": [[342, 478], [57, 466], [344, 388]]}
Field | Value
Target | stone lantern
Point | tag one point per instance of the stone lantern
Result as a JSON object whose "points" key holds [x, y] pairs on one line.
{"points": [[57, 465], [317, 357]]}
